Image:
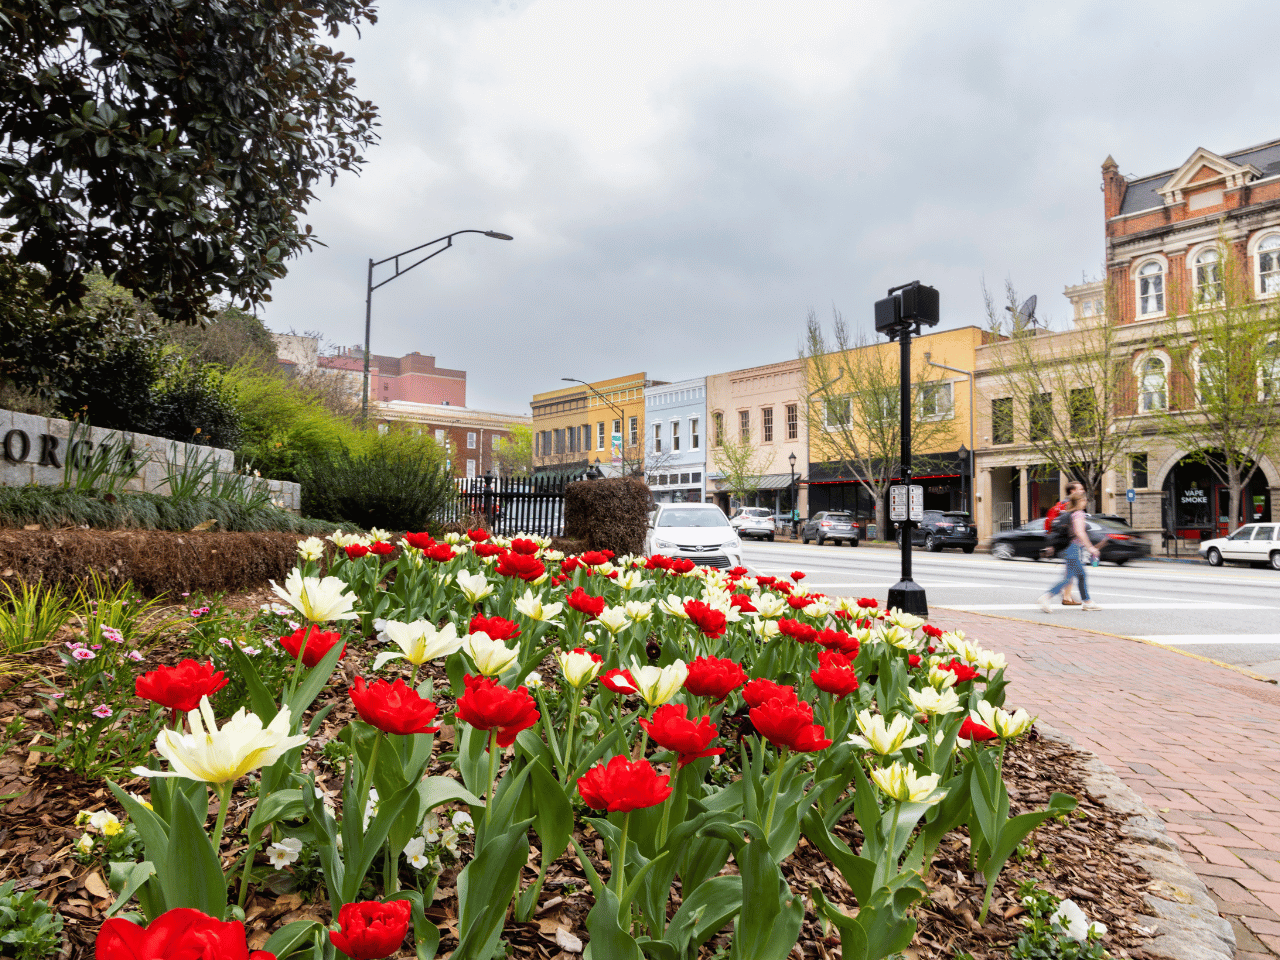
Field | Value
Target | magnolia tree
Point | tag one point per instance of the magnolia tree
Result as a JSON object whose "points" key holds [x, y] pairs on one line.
{"points": [[588, 691]]}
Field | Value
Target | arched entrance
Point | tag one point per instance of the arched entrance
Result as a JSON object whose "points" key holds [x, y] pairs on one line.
{"points": [[1197, 504]]}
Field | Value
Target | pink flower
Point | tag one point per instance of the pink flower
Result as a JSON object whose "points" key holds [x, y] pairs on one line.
{"points": [[102, 711], [135, 656], [80, 653], [112, 634]]}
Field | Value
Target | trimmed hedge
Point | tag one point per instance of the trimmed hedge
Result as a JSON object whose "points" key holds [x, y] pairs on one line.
{"points": [[157, 562], [608, 514]]}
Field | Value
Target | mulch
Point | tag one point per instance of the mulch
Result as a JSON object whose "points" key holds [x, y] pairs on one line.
{"points": [[1076, 859]]}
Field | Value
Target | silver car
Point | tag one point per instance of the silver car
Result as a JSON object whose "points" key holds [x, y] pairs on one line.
{"points": [[698, 531], [754, 522]]}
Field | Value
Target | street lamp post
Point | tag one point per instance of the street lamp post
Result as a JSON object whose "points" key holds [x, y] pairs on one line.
{"points": [[792, 461], [621, 417], [966, 457], [370, 286]]}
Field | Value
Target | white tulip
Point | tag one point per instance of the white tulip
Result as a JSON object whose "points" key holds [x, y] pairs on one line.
{"points": [[418, 641], [221, 756], [657, 685], [765, 630], [579, 669], [900, 782], [1003, 724], [881, 738], [532, 607], [769, 605], [490, 656], [311, 548], [614, 619], [906, 621], [474, 586], [316, 599], [673, 606], [633, 580], [934, 703], [638, 611], [991, 661], [941, 679]]}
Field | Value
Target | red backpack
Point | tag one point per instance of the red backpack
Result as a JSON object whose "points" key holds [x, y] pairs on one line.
{"points": [[1056, 509]]}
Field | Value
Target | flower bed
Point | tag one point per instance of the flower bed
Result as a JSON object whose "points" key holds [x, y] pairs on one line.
{"points": [[683, 731]]}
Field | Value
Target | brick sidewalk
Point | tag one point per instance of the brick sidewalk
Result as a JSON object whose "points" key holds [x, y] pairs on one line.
{"points": [[1196, 741]]}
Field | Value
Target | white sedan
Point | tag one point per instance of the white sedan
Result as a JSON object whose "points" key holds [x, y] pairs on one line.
{"points": [[1252, 543], [698, 531]]}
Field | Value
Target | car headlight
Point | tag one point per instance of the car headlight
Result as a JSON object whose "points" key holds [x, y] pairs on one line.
{"points": [[731, 545], [663, 545]]}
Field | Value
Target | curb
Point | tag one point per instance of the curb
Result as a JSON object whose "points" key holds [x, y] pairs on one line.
{"points": [[1187, 923]]}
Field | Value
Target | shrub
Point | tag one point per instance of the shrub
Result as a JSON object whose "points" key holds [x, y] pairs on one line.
{"points": [[397, 485], [29, 929], [608, 514], [193, 402]]}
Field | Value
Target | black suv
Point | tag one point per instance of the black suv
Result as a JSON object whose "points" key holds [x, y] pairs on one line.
{"points": [[944, 528]]}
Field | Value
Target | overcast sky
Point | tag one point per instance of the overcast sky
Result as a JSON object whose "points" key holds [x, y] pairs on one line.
{"points": [[684, 180]]}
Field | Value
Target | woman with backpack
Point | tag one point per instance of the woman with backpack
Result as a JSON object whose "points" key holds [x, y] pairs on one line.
{"points": [[1049, 551], [1074, 555]]}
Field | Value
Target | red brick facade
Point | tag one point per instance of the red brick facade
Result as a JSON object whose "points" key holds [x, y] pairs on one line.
{"points": [[414, 378]]}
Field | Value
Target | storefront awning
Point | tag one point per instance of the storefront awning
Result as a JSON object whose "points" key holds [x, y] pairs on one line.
{"points": [[770, 481]]}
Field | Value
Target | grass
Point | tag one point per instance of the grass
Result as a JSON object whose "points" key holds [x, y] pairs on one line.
{"points": [[31, 614], [52, 507]]}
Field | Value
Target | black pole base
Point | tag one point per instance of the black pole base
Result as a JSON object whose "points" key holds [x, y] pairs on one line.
{"points": [[908, 596]]}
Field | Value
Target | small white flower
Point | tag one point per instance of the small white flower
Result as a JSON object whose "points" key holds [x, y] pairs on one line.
{"points": [[85, 844], [490, 656], [1073, 920], [371, 808], [431, 828], [284, 853], [101, 819], [463, 823], [449, 840], [534, 680], [415, 848]]}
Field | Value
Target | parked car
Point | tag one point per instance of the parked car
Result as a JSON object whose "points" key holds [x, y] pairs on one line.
{"points": [[698, 531], [1117, 541], [753, 522], [1252, 543], [944, 528], [830, 525]]}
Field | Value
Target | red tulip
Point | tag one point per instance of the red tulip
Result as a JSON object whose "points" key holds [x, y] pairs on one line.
{"points": [[520, 565], [800, 632], [595, 558], [929, 630], [621, 786], [913, 660], [714, 677], [440, 553], [834, 675], [477, 536], [496, 627], [393, 707], [657, 562], [964, 673], [742, 603], [179, 934], [570, 564], [681, 565], [356, 550], [868, 602], [488, 706], [180, 688], [381, 548], [314, 644], [759, 690], [488, 550], [839, 640], [975, 731], [585, 603], [419, 540], [797, 575], [619, 681], [672, 729], [709, 620], [789, 724], [371, 930], [524, 547], [799, 601]]}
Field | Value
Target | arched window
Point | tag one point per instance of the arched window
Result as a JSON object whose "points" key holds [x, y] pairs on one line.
{"points": [[1269, 370], [1151, 288], [1208, 276], [1269, 264], [1210, 364], [1153, 385]]}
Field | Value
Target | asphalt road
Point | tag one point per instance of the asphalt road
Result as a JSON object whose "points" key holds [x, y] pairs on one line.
{"points": [[1230, 614]]}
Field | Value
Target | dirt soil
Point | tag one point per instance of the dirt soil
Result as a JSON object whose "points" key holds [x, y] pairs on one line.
{"points": [[1076, 859]]}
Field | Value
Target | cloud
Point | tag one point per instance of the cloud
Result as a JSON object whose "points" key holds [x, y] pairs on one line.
{"points": [[684, 180]]}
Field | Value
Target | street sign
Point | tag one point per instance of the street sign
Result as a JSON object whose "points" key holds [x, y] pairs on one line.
{"points": [[1130, 495], [917, 502], [898, 502]]}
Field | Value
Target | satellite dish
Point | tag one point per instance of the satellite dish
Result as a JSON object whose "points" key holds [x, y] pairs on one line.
{"points": [[1026, 314]]}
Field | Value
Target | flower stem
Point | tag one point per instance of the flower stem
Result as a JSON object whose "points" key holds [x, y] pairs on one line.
{"points": [[666, 812], [568, 742], [224, 801], [493, 776], [777, 788], [893, 838], [621, 866]]}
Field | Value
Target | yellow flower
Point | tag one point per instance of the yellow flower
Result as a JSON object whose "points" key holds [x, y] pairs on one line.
{"points": [[934, 703], [659, 684], [219, 756], [881, 738], [418, 641], [899, 781], [490, 656], [113, 828], [1005, 725]]}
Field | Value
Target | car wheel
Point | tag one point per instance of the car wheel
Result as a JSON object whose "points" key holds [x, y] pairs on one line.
{"points": [[1002, 551], [854, 543], [1214, 556], [1121, 562], [932, 544], [771, 538], [804, 539], [1275, 560], [967, 549], [821, 541]]}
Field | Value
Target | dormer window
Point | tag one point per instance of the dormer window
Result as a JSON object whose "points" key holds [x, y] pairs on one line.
{"points": [[1151, 288], [1269, 264], [1208, 275]]}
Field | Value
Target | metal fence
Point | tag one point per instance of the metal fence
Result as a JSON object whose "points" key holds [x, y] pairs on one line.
{"points": [[512, 505]]}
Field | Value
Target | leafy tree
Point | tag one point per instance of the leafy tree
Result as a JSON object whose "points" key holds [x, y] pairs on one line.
{"points": [[515, 452], [741, 465], [172, 144], [230, 337], [853, 417], [1065, 388], [1225, 353]]}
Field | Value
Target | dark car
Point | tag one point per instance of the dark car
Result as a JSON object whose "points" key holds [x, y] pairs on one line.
{"points": [[1117, 541], [834, 525], [944, 528]]}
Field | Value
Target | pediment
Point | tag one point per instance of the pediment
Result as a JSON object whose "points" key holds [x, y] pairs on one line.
{"points": [[1205, 169]]}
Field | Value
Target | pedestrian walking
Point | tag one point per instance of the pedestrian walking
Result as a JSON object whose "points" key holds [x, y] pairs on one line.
{"points": [[1056, 509], [795, 523], [1079, 548]]}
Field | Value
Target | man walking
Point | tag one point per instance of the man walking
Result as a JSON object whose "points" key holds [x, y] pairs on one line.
{"points": [[1074, 555]]}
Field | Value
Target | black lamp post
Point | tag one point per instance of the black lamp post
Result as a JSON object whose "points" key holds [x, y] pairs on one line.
{"points": [[896, 316], [794, 509], [370, 286], [964, 453], [621, 418]]}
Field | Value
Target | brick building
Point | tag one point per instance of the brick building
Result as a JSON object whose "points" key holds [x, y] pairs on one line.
{"points": [[576, 426], [470, 437]]}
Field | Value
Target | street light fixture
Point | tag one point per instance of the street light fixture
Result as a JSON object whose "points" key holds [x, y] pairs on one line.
{"points": [[621, 416], [370, 286], [965, 455], [792, 461]]}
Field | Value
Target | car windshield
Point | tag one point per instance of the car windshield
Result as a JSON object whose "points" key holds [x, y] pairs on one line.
{"points": [[841, 517], [957, 517], [702, 517], [1109, 525], [754, 512]]}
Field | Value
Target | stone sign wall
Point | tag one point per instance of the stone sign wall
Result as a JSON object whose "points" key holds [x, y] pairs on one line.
{"points": [[36, 450]]}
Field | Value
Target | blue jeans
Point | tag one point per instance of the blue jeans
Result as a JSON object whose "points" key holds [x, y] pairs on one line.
{"points": [[1074, 569]]}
